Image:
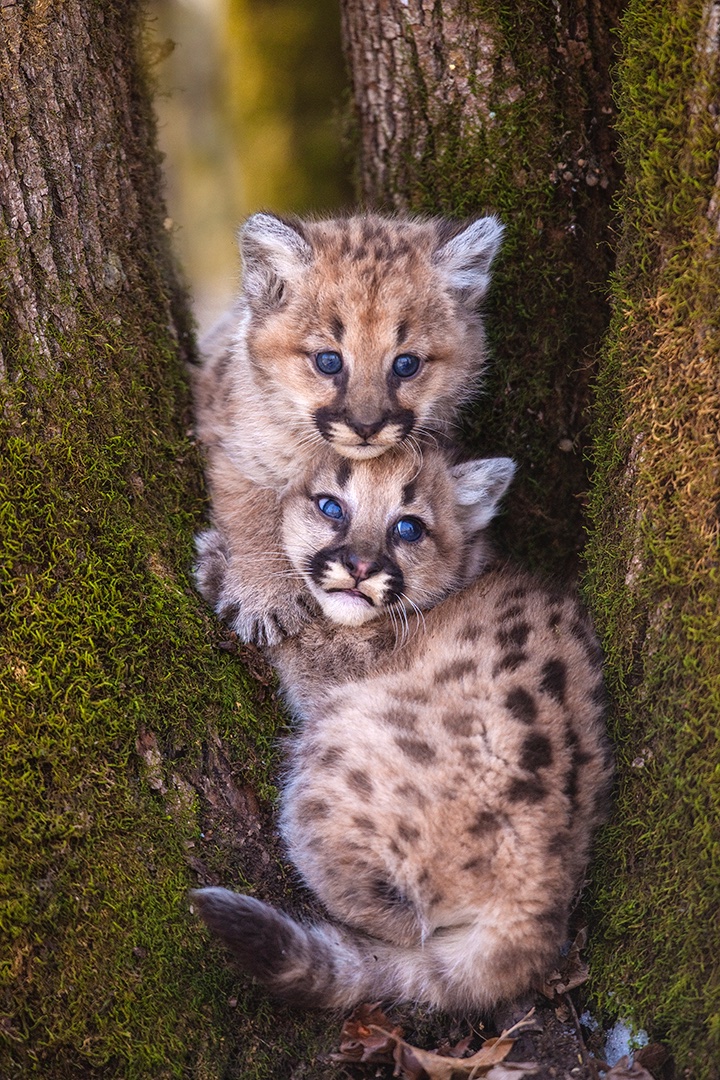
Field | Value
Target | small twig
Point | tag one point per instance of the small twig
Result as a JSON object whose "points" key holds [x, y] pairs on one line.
{"points": [[588, 1061]]}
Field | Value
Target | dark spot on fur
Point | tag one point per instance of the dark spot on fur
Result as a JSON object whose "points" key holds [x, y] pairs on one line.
{"points": [[411, 794], [402, 332], [387, 893], [480, 864], [400, 718], [417, 697], [515, 635], [416, 749], [485, 823], [365, 824], [396, 850], [518, 593], [343, 472], [554, 679], [455, 670], [511, 661], [408, 833], [522, 705], [555, 620], [423, 876], [570, 787], [360, 782], [510, 613], [337, 327], [536, 752], [312, 810], [526, 789], [436, 898], [471, 632], [332, 756], [558, 844], [458, 723]]}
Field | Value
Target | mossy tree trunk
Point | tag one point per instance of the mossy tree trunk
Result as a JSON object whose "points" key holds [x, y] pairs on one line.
{"points": [[467, 108], [128, 774]]}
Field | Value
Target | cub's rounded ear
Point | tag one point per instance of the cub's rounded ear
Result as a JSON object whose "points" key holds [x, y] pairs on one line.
{"points": [[274, 251], [465, 256], [480, 485]]}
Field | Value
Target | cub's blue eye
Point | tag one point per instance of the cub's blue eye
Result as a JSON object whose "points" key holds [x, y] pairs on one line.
{"points": [[409, 529], [328, 362], [330, 508], [406, 365]]}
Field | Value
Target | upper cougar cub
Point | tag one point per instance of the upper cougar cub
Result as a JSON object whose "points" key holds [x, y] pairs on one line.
{"points": [[441, 794], [358, 333]]}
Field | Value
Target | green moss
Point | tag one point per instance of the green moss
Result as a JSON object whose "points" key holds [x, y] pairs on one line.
{"points": [[103, 968], [653, 578]]}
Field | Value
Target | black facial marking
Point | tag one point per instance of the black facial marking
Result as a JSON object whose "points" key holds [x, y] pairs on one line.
{"points": [[455, 670], [515, 635], [536, 751], [478, 864], [554, 679], [521, 704], [360, 782], [471, 632], [402, 332], [416, 749], [526, 789], [408, 492], [337, 328], [343, 472]]}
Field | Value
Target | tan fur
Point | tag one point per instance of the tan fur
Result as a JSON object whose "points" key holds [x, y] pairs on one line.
{"points": [[369, 289], [451, 765]]}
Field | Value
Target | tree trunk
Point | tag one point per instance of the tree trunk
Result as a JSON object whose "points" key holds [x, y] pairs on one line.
{"points": [[508, 108], [119, 718], [470, 108]]}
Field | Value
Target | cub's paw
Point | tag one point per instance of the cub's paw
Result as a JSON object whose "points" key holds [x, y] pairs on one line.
{"points": [[210, 570], [269, 625]]}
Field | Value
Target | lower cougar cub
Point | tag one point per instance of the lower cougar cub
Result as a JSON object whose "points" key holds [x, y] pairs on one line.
{"points": [[451, 763]]}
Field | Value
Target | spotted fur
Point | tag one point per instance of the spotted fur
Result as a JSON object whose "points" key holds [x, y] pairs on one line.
{"points": [[367, 290], [448, 774]]}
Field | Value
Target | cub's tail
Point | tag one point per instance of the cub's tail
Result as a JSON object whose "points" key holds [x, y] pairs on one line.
{"points": [[320, 966], [328, 966]]}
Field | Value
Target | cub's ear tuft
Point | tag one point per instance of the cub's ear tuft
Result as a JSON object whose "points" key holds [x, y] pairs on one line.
{"points": [[480, 485], [464, 259], [274, 252]]}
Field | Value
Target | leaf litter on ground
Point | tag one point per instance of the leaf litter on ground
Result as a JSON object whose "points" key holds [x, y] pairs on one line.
{"points": [[369, 1037]]}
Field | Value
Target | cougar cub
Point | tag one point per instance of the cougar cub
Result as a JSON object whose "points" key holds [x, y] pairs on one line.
{"points": [[359, 334], [451, 762]]}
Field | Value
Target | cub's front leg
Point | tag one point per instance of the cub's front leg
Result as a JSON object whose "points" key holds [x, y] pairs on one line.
{"points": [[243, 572]]}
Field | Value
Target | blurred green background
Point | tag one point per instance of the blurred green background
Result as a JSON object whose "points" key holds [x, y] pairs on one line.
{"points": [[252, 105]]}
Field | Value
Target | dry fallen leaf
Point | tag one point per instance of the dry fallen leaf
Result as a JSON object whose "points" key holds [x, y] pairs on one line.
{"points": [[571, 972], [367, 1036], [625, 1071]]}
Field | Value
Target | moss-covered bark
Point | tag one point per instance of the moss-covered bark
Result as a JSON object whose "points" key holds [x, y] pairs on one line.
{"points": [[469, 107], [136, 757], [654, 577], [465, 108]]}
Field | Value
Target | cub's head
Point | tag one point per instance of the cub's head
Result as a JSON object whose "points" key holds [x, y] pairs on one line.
{"points": [[371, 537], [365, 330]]}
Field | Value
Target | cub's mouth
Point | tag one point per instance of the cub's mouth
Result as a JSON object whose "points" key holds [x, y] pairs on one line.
{"points": [[353, 593]]}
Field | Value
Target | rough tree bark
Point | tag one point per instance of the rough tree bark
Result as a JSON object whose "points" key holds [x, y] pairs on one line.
{"points": [[128, 774], [469, 107]]}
